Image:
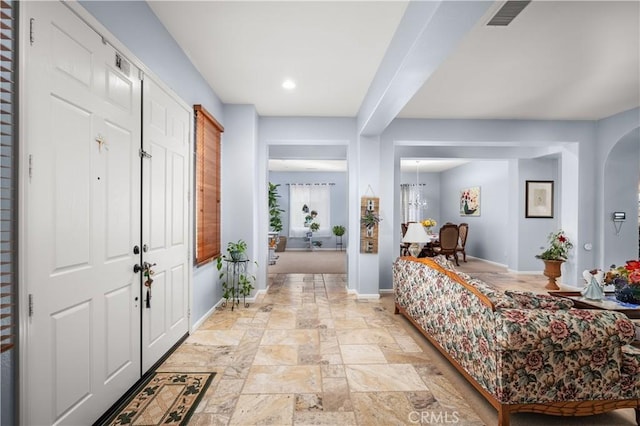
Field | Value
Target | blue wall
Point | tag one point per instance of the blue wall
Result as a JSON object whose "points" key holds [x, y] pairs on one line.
{"points": [[487, 239]]}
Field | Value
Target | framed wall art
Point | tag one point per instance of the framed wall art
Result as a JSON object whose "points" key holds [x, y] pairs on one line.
{"points": [[470, 201], [539, 199]]}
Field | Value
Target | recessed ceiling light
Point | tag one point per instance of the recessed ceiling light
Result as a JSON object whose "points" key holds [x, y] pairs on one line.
{"points": [[289, 84]]}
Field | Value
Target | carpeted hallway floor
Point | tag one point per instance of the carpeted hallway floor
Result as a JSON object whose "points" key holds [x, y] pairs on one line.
{"points": [[310, 262], [307, 353]]}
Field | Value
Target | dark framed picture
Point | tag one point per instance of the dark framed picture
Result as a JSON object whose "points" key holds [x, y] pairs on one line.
{"points": [[539, 199]]}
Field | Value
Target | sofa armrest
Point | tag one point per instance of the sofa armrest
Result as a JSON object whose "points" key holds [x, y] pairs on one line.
{"points": [[560, 330], [530, 300], [631, 360]]}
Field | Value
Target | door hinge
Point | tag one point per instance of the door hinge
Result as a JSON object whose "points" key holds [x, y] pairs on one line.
{"points": [[30, 167], [31, 21], [144, 154], [30, 309]]}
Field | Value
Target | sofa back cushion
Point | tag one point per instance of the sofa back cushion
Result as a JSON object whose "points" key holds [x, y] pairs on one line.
{"points": [[530, 300]]}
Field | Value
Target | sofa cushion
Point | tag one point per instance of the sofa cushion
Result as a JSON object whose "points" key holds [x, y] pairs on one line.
{"points": [[530, 300], [561, 330]]}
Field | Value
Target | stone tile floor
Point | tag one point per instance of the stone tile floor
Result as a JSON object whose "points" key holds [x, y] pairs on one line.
{"points": [[309, 353]]}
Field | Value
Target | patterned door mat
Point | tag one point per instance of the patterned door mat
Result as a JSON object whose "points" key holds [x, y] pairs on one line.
{"points": [[164, 399]]}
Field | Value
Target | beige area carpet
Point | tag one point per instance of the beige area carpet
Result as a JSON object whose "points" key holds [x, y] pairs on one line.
{"points": [[310, 262]]}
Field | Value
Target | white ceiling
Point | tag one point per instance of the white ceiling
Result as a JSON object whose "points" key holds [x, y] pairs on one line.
{"points": [[557, 60], [246, 49]]}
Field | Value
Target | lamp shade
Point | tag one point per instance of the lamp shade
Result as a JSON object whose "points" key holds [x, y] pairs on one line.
{"points": [[415, 234]]}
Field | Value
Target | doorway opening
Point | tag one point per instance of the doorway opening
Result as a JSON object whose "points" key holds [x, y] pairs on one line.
{"points": [[311, 189]]}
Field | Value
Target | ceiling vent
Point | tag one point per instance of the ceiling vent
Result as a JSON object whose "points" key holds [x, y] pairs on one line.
{"points": [[508, 12]]}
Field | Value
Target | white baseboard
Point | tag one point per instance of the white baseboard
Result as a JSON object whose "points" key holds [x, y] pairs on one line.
{"points": [[502, 265], [359, 296], [203, 318], [386, 291]]}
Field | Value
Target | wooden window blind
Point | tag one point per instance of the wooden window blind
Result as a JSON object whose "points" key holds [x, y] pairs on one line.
{"points": [[8, 179], [208, 135]]}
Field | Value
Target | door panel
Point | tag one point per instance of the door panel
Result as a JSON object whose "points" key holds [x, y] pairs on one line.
{"points": [[120, 195], [72, 337], [165, 223], [82, 217], [72, 180]]}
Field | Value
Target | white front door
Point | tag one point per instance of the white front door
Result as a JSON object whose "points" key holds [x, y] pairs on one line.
{"points": [[82, 219], [165, 209]]}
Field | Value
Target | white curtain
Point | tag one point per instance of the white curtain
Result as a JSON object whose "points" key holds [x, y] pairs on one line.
{"points": [[304, 198], [413, 203]]}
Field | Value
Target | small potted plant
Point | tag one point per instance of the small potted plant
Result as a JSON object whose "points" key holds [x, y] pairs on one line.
{"points": [[237, 250], [314, 226], [554, 256]]}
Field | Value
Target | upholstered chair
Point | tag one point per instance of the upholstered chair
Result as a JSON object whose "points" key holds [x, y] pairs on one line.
{"points": [[448, 241]]}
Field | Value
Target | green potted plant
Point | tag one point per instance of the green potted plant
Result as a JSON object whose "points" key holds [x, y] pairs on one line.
{"points": [[235, 280], [314, 226], [238, 250], [275, 212], [556, 253], [370, 219]]}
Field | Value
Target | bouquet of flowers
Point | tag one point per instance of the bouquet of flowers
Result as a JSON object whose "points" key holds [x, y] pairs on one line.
{"points": [[559, 246], [428, 223], [626, 280]]}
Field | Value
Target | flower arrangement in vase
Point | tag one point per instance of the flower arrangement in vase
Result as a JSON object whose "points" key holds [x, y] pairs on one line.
{"points": [[428, 223], [626, 280], [554, 256]]}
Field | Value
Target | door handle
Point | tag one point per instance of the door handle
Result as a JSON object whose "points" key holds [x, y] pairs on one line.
{"points": [[137, 268]]}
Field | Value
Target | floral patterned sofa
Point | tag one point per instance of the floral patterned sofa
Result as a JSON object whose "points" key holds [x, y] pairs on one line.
{"points": [[521, 351]]}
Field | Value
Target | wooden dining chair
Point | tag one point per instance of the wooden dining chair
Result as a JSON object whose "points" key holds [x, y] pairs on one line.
{"points": [[463, 232], [404, 247], [448, 241]]}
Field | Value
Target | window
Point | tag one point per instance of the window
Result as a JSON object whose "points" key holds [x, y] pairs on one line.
{"points": [[413, 202], [207, 182], [308, 204]]}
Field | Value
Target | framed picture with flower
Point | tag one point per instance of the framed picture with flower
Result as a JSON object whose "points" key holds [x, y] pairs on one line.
{"points": [[539, 199], [470, 201]]}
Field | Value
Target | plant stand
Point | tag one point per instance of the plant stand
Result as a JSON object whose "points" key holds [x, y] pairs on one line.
{"points": [[309, 239], [552, 271], [235, 268], [339, 245]]}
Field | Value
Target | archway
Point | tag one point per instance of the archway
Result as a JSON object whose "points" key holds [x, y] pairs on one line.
{"points": [[621, 180]]}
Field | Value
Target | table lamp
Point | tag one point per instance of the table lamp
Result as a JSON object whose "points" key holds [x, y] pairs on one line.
{"points": [[415, 235]]}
